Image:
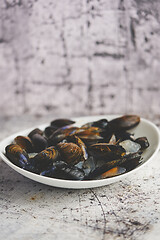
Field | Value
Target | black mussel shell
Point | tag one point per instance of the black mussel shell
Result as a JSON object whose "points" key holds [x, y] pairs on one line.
{"points": [[53, 170], [40, 143], [133, 161], [25, 143], [102, 123], [58, 123], [71, 173], [35, 131], [123, 123], [45, 159], [143, 141], [123, 162], [49, 131], [71, 153], [106, 151], [60, 134], [17, 155], [123, 135], [62, 170]]}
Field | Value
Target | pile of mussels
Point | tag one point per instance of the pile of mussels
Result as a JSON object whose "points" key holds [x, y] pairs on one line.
{"points": [[96, 150]]}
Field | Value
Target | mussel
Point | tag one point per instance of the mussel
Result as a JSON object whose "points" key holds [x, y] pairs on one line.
{"points": [[114, 163], [75, 139], [25, 143], [71, 153], [17, 155], [143, 141], [124, 123], [58, 123], [35, 131], [49, 131], [102, 123], [60, 134], [39, 142], [45, 159], [62, 170], [106, 151]]}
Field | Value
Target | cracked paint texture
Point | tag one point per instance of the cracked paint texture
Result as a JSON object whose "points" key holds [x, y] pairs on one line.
{"points": [[77, 58]]}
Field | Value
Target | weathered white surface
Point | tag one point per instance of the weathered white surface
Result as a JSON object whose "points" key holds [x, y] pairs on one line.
{"points": [[78, 57], [124, 210]]}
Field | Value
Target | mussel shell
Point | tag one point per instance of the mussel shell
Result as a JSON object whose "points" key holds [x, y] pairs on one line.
{"points": [[40, 143], [17, 155], [124, 135], [53, 170], [106, 151], [25, 143], [62, 170], [123, 162], [143, 141], [102, 123], [112, 172], [60, 134], [89, 133], [75, 139], [71, 173], [70, 153], [133, 161], [124, 123], [45, 159], [130, 146], [35, 131], [58, 123], [49, 131]]}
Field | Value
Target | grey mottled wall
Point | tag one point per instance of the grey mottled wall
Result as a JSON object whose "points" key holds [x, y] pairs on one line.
{"points": [[79, 57]]}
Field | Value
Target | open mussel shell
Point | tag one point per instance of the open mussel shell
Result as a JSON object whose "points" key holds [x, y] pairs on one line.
{"points": [[89, 133], [130, 146], [45, 159], [17, 155], [143, 141], [35, 131], [62, 170], [71, 153], [58, 123], [25, 143], [106, 151], [123, 123], [60, 134], [102, 123], [123, 162]]}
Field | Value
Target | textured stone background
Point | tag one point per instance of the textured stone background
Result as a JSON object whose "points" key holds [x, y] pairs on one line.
{"points": [[79, 57]]}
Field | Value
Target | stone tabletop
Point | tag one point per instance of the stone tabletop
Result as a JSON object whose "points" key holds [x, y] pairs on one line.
{"points": [[129, 209]]}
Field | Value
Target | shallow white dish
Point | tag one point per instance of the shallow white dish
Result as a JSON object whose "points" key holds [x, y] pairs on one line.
{"points": [[145, 128]]}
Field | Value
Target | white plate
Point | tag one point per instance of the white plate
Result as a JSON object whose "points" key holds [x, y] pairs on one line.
{"points": [[145, 128]]}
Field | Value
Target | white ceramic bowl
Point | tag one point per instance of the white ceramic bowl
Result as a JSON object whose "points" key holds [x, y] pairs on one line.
{"points": [[145, 128]]}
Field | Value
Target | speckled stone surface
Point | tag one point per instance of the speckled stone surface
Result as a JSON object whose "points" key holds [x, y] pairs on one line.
{"points": [[129, 209]]}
